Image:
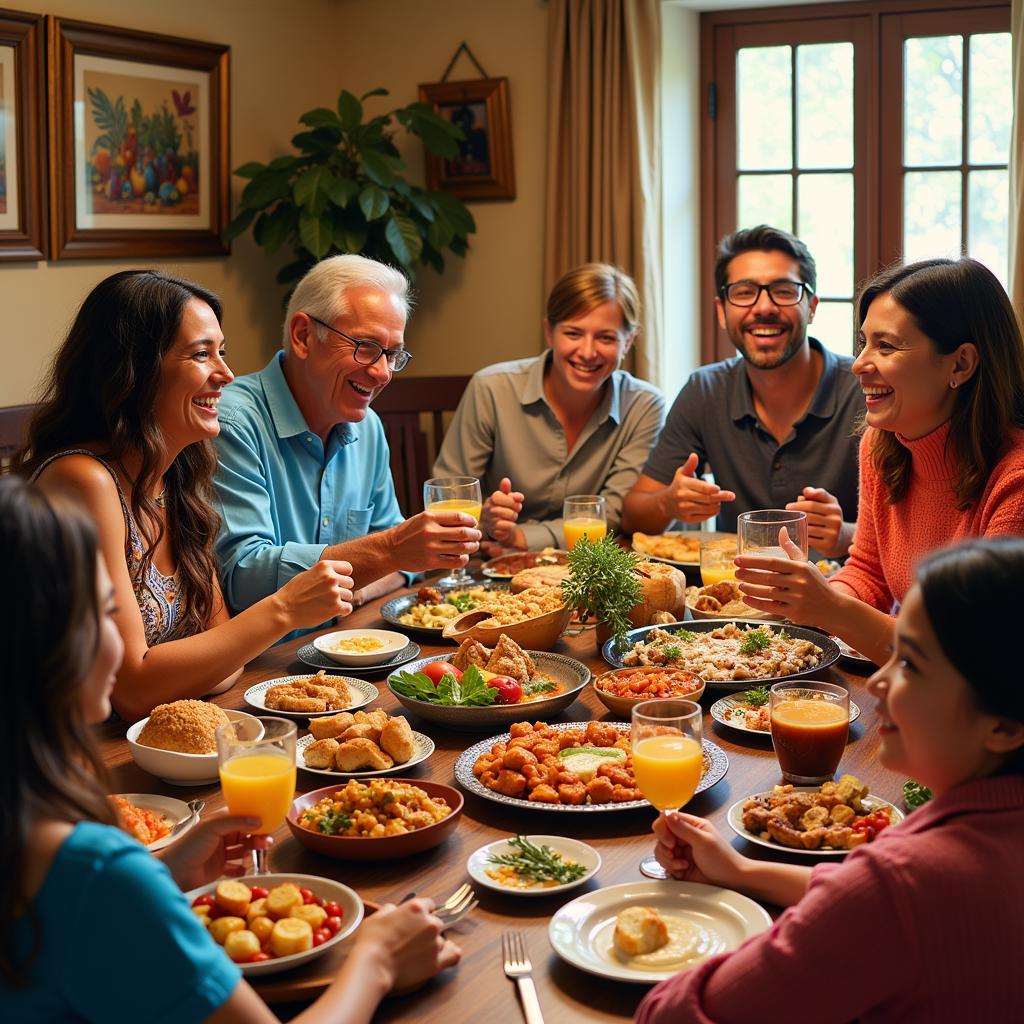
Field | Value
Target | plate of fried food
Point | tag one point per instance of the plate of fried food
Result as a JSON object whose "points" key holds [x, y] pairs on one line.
{"points": [[680, 548], [722, 600], [430, 609], [748, 711], [569, 766], [310, 696], [725, 651], [504, 567], [155, 821], [646, 931], [816, 821], [363, 744]]}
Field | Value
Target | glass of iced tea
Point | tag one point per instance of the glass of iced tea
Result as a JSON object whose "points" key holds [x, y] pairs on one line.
{"points": [[810, 724]]}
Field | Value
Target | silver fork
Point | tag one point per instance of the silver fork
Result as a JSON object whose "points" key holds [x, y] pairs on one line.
{"points": [[457, 906], [518, 967]]}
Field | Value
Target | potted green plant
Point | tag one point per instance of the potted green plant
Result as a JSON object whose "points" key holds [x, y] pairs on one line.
{"points": [[343, 192]]}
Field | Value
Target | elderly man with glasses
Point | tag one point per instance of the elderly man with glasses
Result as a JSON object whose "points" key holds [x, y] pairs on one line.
{"points": [[777, 423], [303, 464]]}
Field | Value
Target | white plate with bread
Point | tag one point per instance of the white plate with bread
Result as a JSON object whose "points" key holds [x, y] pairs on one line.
{"points": [[359, 745], [648, 931]]}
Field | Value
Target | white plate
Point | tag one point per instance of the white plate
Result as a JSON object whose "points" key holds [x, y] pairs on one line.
{"points": [[570, 849], [721, 713], [735, 819], [424, 748], [326, 889], [167, 807], [581, 932], [362, 692], [849, 652], [392, 643]]}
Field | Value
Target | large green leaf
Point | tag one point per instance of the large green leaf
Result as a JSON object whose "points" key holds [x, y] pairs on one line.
{"points": [[265, 189], [309, 185], [424, 207], [440, 233], [350, 110], [238, 225], [433, 258], [373, 92], [377, 167], [404, 238], [319, 141], [341, 191], [437, 141], [250, 170], [320, 117], [278, 226], [456, 212], [349, 236], [315, 234], [374, 202], [282, 163]]}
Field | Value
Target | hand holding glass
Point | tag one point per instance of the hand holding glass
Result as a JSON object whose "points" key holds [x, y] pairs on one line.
{"points": [[257, 774], [584, 515], [668, 758], [760, 532], [454, 494]]}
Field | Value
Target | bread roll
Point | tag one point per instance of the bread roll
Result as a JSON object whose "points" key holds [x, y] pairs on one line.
{"points": [[640, 930]]}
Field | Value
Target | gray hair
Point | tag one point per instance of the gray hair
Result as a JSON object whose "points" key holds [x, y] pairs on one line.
{"points": [[321, 293]]}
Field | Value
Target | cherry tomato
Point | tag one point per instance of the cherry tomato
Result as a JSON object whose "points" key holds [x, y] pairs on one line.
{"points": [[216, 911], [308, 896], [436, 669], [320, 936], [509, 690], [258, 892], [206, 900], [257, 958], [334, 909], [333, 924]]}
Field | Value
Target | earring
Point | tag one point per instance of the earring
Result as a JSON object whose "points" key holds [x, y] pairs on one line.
{"points": [[952, 383]]}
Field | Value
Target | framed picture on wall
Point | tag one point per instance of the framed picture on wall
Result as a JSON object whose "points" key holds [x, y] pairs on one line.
{"points": [[483, 167], [138, 143], [22, 137]]}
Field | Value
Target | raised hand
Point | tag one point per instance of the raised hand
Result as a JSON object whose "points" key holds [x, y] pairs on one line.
{"points": [[824, 521], [693, 500], [318, 594], [500, 515]]}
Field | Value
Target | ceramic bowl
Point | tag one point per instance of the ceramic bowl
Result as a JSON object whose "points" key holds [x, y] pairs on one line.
{"points": [[623, 706], [182, 769], [384, 847], [391, 644]]}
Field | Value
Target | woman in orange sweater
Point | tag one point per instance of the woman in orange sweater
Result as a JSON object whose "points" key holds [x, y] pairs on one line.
{"points": [[941, 364]]}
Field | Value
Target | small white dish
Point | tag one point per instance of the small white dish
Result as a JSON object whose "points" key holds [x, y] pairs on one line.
{"points": [[181, 769], [424, 748], [327, 889], [390, 644], [570, 849], [363, 693], [729, 711], [581, 932], [174, 813]]}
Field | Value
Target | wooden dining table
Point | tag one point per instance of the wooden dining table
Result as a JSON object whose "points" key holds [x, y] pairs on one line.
{"points": [[477, 990]]}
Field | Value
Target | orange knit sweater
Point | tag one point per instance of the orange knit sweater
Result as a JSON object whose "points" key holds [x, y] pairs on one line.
{"points": [[890, 538]]}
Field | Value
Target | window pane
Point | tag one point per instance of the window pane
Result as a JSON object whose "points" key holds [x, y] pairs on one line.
{"points": [[931, 214], [988, 199], [833, 326], [764, 121], [824, 112], [933, 101], [991, 100], [825, 224], [764, 199]]}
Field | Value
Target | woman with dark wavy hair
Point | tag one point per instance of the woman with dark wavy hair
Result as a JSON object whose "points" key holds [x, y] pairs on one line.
{"points": [[92, 926], [941, 364], [129, 409]]}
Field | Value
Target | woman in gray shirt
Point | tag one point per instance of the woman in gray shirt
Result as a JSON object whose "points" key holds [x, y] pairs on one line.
{"points": [[535, 431]]}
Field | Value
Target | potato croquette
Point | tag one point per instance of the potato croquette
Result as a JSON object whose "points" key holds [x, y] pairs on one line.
{"points": [[185, 726]]}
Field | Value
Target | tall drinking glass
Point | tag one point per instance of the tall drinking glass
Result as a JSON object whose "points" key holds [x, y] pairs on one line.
{"points": [[454, 494], [716, 561], [810, 724], [257, 773], [584, 515], [760, 532], [668, 758]]}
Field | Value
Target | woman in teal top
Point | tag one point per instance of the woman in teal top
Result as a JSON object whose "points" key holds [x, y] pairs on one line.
{"points": [[93, 927]]}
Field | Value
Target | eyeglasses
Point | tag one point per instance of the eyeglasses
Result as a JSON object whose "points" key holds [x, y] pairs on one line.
{"points": [[368, 352], [782, 293]]}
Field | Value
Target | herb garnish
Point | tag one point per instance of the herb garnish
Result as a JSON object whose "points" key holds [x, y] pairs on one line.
{"points": [[538, 863], [672, 652], [757, 697], [464, 602], [755, 640], [914, 794], [602, 583], [332, 822], [539, 686], [472, 691]]}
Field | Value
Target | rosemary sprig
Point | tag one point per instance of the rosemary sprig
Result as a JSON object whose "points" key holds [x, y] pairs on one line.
{"points": [[537, 863], [602, 582]]}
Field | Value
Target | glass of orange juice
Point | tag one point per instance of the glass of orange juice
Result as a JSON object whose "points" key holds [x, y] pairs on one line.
{"points": [[716, 561], [668, 758], [257, 773], [810, 724], [454, 494], [584, 515]]}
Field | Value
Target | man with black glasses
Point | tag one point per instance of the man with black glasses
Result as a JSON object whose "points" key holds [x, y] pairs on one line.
{"points": [[303, 464], [776, 424]]}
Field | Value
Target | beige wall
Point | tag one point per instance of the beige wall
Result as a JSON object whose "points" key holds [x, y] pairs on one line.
{"points": [[288, 56]]}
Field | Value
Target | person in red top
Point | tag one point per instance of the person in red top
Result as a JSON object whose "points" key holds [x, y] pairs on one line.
{"points": [[941, 364], [926, 922]]}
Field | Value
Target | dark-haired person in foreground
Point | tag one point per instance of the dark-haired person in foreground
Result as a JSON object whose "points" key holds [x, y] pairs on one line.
{"points": [[776, 423], [926, 922], [129, 411], [941, 365], [92, 926]]}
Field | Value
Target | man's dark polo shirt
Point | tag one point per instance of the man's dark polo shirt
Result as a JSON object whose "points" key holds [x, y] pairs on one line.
{"points": [[714, 416]]}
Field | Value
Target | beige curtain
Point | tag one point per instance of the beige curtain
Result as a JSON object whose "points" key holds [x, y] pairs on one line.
{"points": [[604, 150], [1016, 226]]}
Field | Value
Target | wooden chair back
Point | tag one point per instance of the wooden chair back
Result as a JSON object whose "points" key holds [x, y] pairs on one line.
{"points": [[13, 430], [412, 410]]}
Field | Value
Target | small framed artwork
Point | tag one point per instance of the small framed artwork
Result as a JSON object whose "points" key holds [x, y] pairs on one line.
{"points": [[22, 137], [138, 143], [483, 168]]}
